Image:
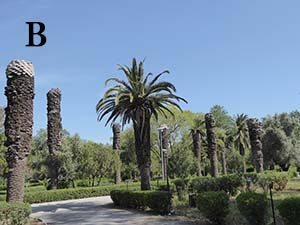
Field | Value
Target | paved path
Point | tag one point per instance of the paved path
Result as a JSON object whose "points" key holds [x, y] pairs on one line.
{"points": [[96, 211]]}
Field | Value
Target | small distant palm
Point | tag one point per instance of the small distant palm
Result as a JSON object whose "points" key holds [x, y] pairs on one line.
{"points": [[241, 137], [137, 99]]}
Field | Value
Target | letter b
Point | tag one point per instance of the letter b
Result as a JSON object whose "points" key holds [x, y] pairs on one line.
{"points": [[43, 38]]}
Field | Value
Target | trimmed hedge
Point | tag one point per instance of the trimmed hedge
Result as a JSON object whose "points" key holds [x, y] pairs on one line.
{"points": [[72, 193], [14, 213], [279, 180], [181, 187], [214, 206], [289, 209], [157, 201], [229, 184], [254, 207]]}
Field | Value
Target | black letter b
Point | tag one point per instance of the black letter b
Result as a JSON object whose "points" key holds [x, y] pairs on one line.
{"points": [[43, 38]]}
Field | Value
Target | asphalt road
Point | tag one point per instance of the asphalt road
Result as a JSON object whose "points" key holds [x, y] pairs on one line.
{"points": [[96, 211]]}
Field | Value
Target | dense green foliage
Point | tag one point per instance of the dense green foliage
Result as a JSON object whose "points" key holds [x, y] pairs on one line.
{"points": [[254, 207], [214, 205], [14, 213], [158, 201], [289, 209], [229, 184], [278, 179]]}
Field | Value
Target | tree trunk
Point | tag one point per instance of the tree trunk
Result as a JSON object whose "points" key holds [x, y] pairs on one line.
{"points": [[211, 141], [117, 146], [165, 146], [255, 133], [54, 135], [224, 162], [196, 137], [18, 124], [142, 147]]}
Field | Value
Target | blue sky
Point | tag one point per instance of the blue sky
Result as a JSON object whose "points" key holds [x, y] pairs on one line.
{"points": [[244, 55]]}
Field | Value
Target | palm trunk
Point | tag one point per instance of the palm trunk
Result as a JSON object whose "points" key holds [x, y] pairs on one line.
{"points": [[224, 162], [255, 133], [142, 148], [165, 146], [117, 146], [196, 137], [54, 135], [18, 124], [242, 153], [211, 141]]}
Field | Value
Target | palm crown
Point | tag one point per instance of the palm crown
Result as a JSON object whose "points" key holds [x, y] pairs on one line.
{"points": [[138, 97]]}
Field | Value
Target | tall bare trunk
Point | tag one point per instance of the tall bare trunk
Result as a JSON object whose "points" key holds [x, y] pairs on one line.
{"points": [[255, 134], [224, 162], [54, 135], [142, 147], [18, 124], [211, 141], [165, 146], [117, 147], [196, 138]]}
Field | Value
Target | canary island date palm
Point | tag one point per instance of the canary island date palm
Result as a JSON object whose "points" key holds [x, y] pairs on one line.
{"points": [[255, 134], [136, 100], [197, 135], [241, 136], [18, 124], [212, 143], [116, 128], [54, 140]]}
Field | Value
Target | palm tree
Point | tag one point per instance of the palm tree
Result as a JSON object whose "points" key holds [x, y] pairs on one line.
{"points": [[197, 134], [18, 124], [241, 137], [211, 142], [116, 128], [54, 129], [137, 99], [255, 134], [222, 148]]}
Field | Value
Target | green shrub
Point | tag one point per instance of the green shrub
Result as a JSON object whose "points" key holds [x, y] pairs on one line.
{"points": [[181, 187], [251, 180], [14, 213], [289, 209], [254, 207], [279, 180], [214, 206], [228, 184], [158, 201]]}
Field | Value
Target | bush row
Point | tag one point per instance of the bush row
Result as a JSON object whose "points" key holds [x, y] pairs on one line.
{"points": [[157, 201], [228, 184], [14, 213], [72, 193], [254, 207], [231, 183], [289, 209], [263, 180], [214, 206]]}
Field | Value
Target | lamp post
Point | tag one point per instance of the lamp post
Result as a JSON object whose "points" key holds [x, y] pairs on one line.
{"points": [[163, 144]]}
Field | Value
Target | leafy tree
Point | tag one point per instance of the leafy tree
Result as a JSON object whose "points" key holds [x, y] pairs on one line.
{"points": [[96, 161], [277, 149], [137, 100], [37, 159], [181, 161], [222, 118]]}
